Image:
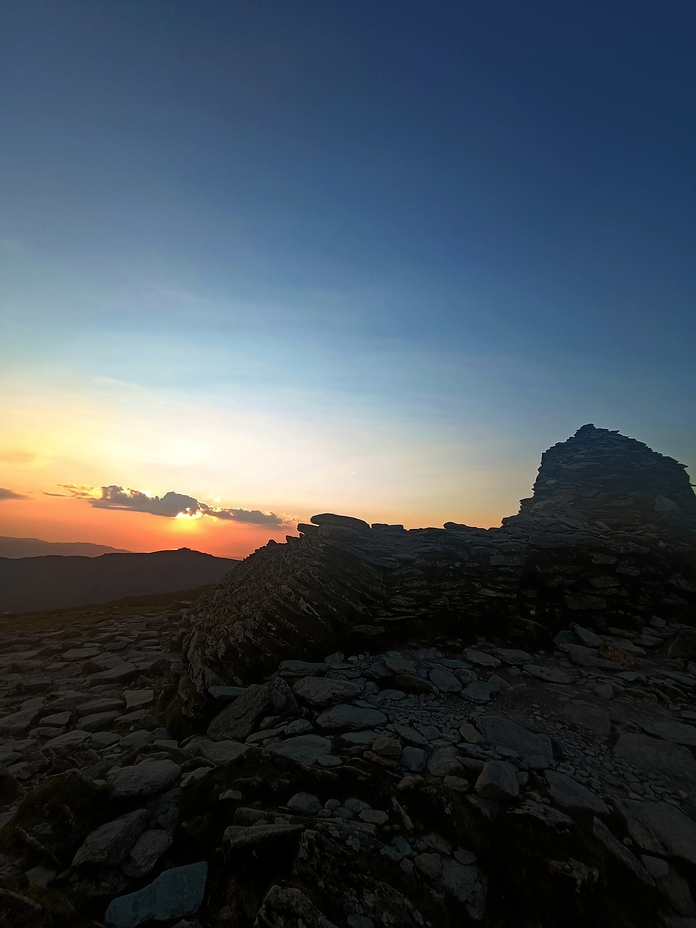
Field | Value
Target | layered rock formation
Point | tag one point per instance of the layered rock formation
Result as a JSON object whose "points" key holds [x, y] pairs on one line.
{"points": [[607, 538]]}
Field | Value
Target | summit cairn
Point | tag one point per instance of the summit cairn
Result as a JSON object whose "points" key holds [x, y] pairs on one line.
{"points": [[599, 479]]}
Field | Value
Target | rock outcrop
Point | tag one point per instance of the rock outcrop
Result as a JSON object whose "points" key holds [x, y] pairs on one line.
{"points": [[609, 537], [373, 727]]}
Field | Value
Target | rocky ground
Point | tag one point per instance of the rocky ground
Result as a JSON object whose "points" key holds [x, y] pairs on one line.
{"points": [[472, 784], [369, 727]]}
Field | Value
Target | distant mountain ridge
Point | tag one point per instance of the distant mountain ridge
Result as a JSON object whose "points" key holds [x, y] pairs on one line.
{"points": [[32, 584], [36, 547]]}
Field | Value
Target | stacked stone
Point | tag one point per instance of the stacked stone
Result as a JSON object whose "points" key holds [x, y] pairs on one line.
{"points": [[599, 479]]}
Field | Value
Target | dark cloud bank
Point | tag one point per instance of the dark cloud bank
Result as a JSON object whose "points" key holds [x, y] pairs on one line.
{"points": [[172, 504], [10, 494]]}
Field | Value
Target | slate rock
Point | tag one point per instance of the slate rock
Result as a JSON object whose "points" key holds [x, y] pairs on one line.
{"points": [[110, 843], [584, 715], [221, 752], [319, 692], [445, 680], [513, 656], [20, 721], [68, 740], [289, 907], [174, 894], [480, 692], [444, 762], [248, 837], [98, 721], [304, 749], [145, 778], [304, 804], [146, 851], [660, 828], [481, 658], [498, 780], [413, 759], [569, 794], [585, 636], [535, 750], [226, 693], [669, 730], [548, 674], [621, 852], [354, 718], [467, 884], [241, 717], [657, 757]]}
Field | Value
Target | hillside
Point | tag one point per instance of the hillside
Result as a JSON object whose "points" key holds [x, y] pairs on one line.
{"points": [[36, 547], [57, 581]]}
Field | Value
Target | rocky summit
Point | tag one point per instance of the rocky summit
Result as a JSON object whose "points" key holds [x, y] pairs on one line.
{"points": [[368, 726]]}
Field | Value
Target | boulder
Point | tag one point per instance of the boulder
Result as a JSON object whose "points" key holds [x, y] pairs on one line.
{"points": [[655, 756], [146, 851], [498, 780], [303, 749], [109, 844], [240, 718]]}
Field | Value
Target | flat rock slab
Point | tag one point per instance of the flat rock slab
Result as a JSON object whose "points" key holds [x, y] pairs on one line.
{"points": [[548, 674], [304, 749], [122, 673], [513, 656], [324, 691], [480, 658], [445, 680], [99, 721], [498, 780], [669, 730], [660, 828], [535, 750], [658, 757], [109, 844], [136, 699], [71, 739], [480, 692], [353, 718], [444, 762], [222, 752], [302, 668], [569, 794], [150, 776], [20, 721], [238, 837], [226, 693], [586, 716], [114, 704], [174, 894]]}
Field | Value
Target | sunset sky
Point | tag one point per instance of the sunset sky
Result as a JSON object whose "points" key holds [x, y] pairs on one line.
{"points": [[279, 258]]}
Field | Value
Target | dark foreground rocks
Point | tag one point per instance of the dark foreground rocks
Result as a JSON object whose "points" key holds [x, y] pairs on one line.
{"points": [[493, 760]]}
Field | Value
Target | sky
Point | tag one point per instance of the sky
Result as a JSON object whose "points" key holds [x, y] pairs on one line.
{"points": [[260, 260]]}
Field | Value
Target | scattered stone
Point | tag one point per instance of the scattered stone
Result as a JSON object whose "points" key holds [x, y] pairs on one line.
{"points": [[669, 730], [146, 778], [660, 828], [480, 658], [221, 752], [480, 692], [353, 718], [304, 749], [549, 674], [136, 699], [304, 804], [621, 852], [239, 719], [498, 781], [324, 691], [173, 894]]}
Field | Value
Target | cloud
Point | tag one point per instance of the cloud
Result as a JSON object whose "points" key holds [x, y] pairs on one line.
{"points": [[248, 516], [10, 494], [172, 505]]}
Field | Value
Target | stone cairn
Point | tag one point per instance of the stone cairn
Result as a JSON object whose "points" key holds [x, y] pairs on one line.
{"points": [[601, 479]]}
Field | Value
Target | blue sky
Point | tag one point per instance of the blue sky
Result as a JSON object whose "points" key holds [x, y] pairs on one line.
{"points": [[408, 243]]}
